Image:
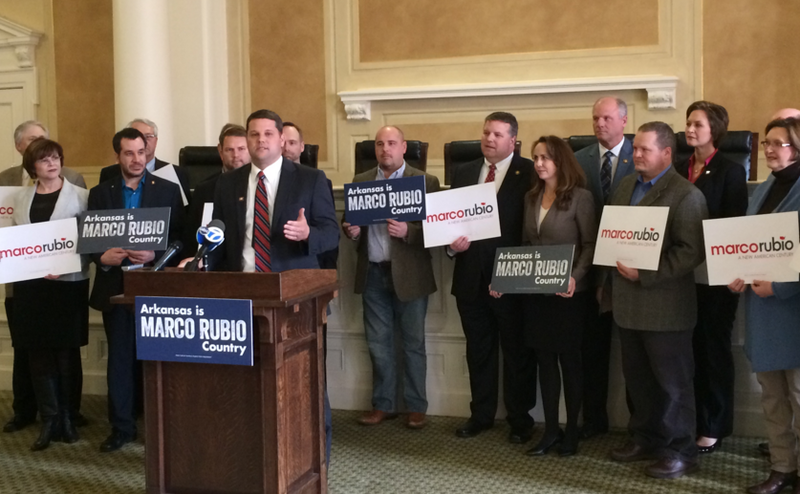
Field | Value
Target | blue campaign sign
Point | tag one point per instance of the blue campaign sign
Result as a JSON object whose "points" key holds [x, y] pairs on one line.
{"points": [[204, 330], [401, 199]]}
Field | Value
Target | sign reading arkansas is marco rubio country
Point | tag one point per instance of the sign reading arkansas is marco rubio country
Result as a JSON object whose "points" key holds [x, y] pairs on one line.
{"points": [[135, 229], [535, 269], [401, 199], [204, 330]]}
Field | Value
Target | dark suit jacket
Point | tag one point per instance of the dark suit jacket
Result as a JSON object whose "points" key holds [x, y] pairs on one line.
{"points": [[157, 193], [724, 183], [577, 225], [473, 269], [203, 193], [664, 300], [113, 171], [300, 187], [590, 160], [412, 273]]}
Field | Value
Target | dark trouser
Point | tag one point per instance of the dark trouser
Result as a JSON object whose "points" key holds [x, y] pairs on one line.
{"points": [[24, 404], [714, 372], [550, 381], [490, 324], [596, 349], [58, 365], [120, 329], [659, 370]]}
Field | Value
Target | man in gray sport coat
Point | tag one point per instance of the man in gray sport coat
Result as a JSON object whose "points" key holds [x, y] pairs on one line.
{"points": [[657, 310], [605, 165]]}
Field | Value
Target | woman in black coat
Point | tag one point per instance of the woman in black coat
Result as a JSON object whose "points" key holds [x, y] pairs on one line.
{"points": [[724, 185]]}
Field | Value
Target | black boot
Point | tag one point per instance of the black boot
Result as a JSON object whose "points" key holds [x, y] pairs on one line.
{"points": [[47, 400], [69, 434]]}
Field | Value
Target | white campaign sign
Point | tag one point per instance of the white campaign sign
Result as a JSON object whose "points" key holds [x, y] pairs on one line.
{"points": [[632, 235], [468, 211], [33, 251], [751, 248], [168, 173], [7, 205]]}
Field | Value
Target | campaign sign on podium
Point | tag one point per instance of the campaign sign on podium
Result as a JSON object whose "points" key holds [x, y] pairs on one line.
{"points": [[752, 248], [200, 330], [401, 199], [631, 235]]}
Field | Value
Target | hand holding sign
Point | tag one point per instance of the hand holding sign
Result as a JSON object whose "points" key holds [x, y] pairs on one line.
{"points": [[763, 288], [352, 231], [141, 256], [570, 291], [628, 273], [297, 230], [737, 286], [113, 257], [460, 244], [397, 229]]}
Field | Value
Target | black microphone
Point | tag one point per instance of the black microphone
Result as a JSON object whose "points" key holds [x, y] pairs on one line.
{"points": [[209, 237], [173, 249]]}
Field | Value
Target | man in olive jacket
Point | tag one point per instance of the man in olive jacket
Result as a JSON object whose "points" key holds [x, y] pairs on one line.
{"points": [[395, 277], [657, 310]]}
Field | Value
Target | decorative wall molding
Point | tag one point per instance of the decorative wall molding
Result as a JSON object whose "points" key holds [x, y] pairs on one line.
{"points": [[661, 91], [22, 40]]}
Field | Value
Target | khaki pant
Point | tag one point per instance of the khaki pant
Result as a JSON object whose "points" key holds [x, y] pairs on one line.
{"points": [[780, 397]]}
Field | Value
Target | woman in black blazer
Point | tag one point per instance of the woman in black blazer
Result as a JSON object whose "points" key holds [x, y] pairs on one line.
{"points": [[724, 185]]}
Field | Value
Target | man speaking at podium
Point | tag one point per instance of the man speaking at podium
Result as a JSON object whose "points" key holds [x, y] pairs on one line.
{"points": [[278, 215]]}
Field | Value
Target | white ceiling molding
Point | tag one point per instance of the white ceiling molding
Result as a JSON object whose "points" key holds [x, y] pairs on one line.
{"points": [[660, 91]]}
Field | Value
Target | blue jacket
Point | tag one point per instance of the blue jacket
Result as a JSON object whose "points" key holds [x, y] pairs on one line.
{"points": [[772, 339]]}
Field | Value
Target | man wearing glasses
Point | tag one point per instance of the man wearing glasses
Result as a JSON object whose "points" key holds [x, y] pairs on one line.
{"points": [[150, 131]]}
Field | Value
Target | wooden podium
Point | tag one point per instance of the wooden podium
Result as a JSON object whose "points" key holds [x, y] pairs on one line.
{"points": [[236, 429]]}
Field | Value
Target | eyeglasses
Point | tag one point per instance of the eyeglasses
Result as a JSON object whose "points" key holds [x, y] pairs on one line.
{"points": [[775, 144], [150, 137]]}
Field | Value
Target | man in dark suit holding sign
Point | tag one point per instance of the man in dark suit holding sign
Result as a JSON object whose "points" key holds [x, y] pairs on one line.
{"points": [[395, 277], [133, 188], [490, 323], [657, 310]]}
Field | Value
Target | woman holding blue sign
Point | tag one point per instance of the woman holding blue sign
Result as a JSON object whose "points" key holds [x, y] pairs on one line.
{"points": [[560, 211], [55, 308], [772, 339]]}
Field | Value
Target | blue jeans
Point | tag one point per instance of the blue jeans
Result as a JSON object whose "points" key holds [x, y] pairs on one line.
{"points": [[383, 312]]}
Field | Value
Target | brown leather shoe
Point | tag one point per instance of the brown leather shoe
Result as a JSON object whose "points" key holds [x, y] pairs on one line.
{"points": [[671, 468], [375, 417], [776, 482], [631, 452], [416, 420]]}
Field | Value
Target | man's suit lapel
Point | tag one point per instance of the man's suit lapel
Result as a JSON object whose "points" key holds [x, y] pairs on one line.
{"points": [[511, 180], [148, 193], [240, 200], [117, 201], [285, 190]]}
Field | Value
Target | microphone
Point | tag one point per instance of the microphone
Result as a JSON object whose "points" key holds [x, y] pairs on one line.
{"points": [[209, 237], [173, 249]]}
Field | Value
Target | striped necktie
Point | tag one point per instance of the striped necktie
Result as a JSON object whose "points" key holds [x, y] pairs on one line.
{"points": [[261, 238], [605, 175]]}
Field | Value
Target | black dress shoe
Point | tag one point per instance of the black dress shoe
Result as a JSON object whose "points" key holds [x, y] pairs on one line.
{"points": [[115, 441], [545, 444], [470, 428], [569, 446], [589, 431], [520, 435], [18, 423], [710, 449]]}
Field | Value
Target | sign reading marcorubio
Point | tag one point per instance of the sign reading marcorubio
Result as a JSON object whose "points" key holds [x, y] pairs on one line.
{"points": [[631, 235], [465, 211], [751, 248]]}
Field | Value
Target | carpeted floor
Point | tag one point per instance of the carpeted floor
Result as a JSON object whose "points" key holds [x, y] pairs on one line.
{"points": [[384, 459]]}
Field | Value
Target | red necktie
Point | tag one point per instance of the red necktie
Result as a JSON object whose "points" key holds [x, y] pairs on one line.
{"points": [[261, 239], [490, 175]]}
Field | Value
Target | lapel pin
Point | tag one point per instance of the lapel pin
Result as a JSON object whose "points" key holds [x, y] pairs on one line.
{"points": [[517, 173], [153, 182], [241, 198], [708, 171], [624, 161]]}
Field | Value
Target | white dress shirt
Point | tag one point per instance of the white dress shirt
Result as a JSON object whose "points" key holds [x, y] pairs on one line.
{"points": [[499, 173], [614, 159], [273, 177]]}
